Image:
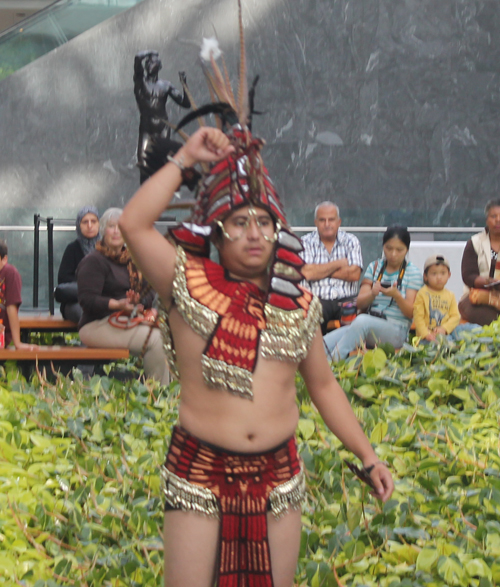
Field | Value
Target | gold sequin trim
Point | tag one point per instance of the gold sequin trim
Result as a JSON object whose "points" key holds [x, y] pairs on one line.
{"points": [[290, 494], [227, 377], [181, 494], [168, 343], [285, 271], [288, 334], [202, 320]]}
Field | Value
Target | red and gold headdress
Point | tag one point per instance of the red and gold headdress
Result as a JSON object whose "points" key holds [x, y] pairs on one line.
{"points": [[240, 179]]}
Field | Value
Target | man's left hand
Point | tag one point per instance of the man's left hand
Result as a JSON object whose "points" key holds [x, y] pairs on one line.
{"points": [[382, 479]]}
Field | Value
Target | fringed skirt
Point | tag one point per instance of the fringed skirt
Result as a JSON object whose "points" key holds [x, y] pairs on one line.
{"points": [[238, 489]]}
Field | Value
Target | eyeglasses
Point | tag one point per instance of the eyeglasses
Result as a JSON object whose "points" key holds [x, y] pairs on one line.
{"points": [[239, 226]]}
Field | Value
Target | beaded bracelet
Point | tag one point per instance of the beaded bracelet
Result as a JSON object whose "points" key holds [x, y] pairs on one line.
{"points": [[190, 176], [178, 162]]}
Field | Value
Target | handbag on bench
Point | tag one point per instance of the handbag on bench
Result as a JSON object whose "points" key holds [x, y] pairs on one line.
{"points": [[66, 293]]}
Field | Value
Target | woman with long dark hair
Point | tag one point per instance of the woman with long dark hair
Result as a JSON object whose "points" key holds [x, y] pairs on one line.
{"points": [[387, 295]]}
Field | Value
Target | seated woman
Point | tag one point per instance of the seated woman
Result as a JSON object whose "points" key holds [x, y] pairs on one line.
{"points": [[387, 293], [87, 230], [480, 269], [108, 282]]}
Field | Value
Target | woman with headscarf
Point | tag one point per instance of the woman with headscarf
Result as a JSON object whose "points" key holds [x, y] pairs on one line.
{"points": [[110, 283], [87, 230]]}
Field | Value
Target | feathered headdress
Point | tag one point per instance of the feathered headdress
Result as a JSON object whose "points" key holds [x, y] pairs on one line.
{"points": [[242, 178]]}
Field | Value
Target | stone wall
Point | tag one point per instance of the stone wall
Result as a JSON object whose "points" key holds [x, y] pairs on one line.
{"points": [[391, 108]]}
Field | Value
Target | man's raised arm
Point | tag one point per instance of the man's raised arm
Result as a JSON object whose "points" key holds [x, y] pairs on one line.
{"points": [[151, 251]]}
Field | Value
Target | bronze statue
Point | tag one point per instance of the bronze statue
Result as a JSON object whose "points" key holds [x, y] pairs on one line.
{"points": [[151, 95]]}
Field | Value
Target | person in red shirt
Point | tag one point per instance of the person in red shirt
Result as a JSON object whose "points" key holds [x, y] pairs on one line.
{"points": [[10, 300]]}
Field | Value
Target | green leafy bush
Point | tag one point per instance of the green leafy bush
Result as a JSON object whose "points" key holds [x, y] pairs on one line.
{"points": [[80, 500], [79, 485], [433, 413]]}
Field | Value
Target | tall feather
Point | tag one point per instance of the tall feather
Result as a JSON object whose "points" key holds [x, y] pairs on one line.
{"points": [[219, 85], [227, 81], [242, 107], [214, 88], [209, 53], [213, 97]]}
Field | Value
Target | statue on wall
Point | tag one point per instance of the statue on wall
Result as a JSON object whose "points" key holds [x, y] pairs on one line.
{"points": [[151, 95]]}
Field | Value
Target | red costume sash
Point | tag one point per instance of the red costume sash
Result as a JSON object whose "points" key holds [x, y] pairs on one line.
{"points": [[240, 490]]}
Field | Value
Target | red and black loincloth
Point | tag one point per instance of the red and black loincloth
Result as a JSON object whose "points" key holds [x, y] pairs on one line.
{"points": [[238, 489]]}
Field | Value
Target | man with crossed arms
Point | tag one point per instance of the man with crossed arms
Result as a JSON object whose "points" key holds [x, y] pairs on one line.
{"points": [[333, 261]]}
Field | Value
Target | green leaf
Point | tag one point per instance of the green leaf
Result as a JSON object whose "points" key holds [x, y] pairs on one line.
{"points": [[478, 568], [353, 517], [315, 580], [450, 570], [426, 559], [374, 359], [379, 432], [366, 391], [306, 428]]}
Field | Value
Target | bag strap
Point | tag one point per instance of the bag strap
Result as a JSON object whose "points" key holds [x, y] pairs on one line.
{"points": [[125, 322], [401, 274]]}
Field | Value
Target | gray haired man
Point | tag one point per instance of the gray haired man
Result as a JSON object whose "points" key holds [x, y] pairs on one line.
{"points": [[333, 261]]}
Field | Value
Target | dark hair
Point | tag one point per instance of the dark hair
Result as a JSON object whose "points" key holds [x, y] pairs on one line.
{"points": [[495, 203], [400, 232], [216, 237], [4, 249]]}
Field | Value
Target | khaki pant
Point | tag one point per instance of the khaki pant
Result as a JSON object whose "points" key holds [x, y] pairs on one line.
{"points": [[101, 334]]}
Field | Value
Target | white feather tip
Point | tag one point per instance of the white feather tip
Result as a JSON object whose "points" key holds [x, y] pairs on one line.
{"points": [[210, 48]]}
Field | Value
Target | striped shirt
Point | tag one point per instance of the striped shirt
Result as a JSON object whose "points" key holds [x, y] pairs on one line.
{"points": [[412, 279], [346, 246]]}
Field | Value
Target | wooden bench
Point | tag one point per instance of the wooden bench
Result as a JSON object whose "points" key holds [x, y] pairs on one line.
{"points": [[61, 357], [44, 323]]}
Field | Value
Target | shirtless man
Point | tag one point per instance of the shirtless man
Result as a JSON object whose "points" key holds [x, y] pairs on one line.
{"points": [[256, 422]]}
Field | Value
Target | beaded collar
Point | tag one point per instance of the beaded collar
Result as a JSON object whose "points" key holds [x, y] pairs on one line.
{"points": [[234, 317]]}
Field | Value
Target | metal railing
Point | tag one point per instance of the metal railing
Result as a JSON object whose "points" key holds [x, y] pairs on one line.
{"points": [[416, 229], [374, 229], [51, 225]]}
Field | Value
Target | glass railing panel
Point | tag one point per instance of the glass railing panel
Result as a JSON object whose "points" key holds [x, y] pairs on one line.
{"points": [[51, 27]]}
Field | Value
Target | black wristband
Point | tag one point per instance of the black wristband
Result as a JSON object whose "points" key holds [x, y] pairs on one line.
{"points": [[371, 467]]}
